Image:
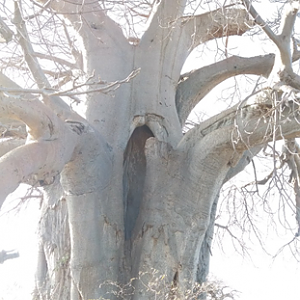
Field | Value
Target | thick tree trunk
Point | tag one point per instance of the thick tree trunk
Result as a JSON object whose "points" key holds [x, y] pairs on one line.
{"points": [[52, 275], [130, 201], [167, 226], [162, 221]]}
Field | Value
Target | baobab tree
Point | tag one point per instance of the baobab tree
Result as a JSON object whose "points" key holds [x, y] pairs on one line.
{"points": [[126, 192]]}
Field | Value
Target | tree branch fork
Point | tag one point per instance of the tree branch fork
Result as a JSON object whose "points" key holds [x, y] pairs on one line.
{"points": [[282, 72], [50, 144]]}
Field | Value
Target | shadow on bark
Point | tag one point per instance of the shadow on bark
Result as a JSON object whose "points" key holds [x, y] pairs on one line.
{"points": [[134, 176]]}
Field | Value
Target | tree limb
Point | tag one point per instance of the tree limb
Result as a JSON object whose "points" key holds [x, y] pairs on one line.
{"points": [[247, 125], [246, 158], [35, 162], [282, 72], [199, 83], [26, 45], [88, 15], [49, 147], [215, 24], [167, 14], [61, 61], [55, 103], [5, 255], [97, 86], [259, 20], [7, 82], [283, 41], [43, 124], [8, 144], [164, 39], [6, 33], [288, 22], [218, 144], [172, 35], [291, 152]]}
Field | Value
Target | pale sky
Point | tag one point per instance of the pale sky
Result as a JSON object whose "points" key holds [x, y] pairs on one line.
{"points": [[17, 231]]}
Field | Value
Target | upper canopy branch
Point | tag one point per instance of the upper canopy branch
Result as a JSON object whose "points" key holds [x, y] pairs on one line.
{"points": [[7, 82], [242, 127], [6, 33], [88, 16], [199, 82], [56, 103], [167, 14], [259, 20], [282, 72], [216, 24], [96, 86], [164, 39], [28, 51]]}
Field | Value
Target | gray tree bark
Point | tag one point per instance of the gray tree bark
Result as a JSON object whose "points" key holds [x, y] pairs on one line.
{"points": [[126, 193]]}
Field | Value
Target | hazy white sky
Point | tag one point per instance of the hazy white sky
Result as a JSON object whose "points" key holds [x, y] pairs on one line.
{"points": [[17, 231]]}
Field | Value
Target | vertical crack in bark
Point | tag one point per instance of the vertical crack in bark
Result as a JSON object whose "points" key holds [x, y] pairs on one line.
{"points": [[174, 287], [134, 176], [175, 279]]}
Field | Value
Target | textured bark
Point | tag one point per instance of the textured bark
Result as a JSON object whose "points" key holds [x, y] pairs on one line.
{"points": [[125, 192], [52, 275], [198, 83]]}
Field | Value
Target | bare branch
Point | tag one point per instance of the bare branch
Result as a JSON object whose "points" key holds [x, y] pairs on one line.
{"points": [[6, 33], [35, 162], [56, 59], [164, 20], [56, 103], [247, 124], [195, 85], [288, 21], [42, 122], [282, 72], [284, 246], [7, 82], [246, 158], [259, 20], [105, 88], [283, 40], [50, 145], [233, 236], [291, 152], [25, 43], [89, 19], [5, 255], [216, 24], [42, 9]]}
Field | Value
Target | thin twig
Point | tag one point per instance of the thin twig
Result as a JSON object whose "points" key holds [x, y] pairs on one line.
{"points": [[72, 91]]}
